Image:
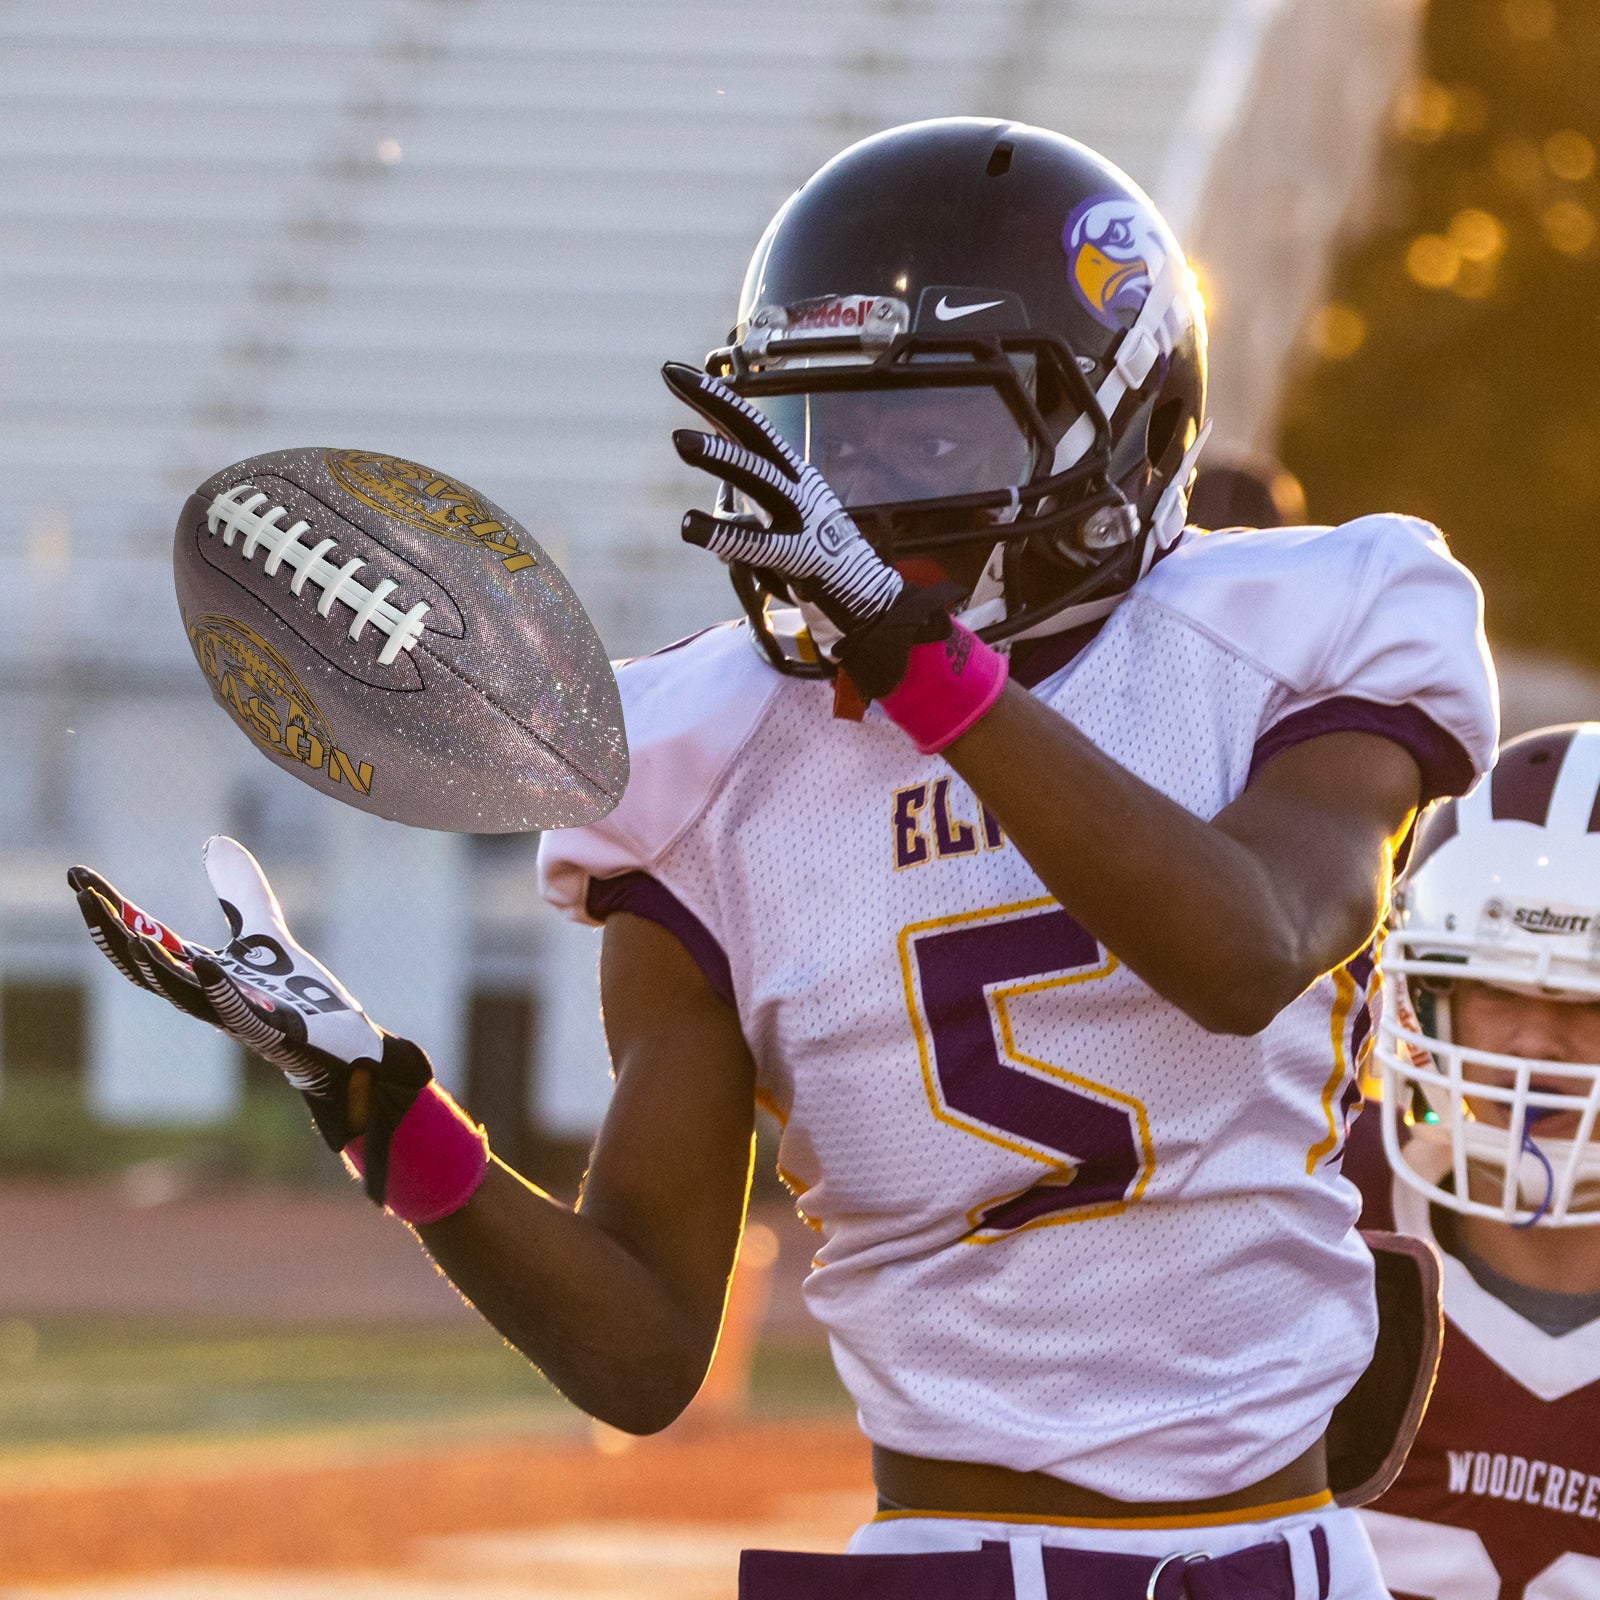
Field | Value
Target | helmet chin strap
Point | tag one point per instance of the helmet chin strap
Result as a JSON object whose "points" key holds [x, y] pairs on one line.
{"points": [[825, 633], [986, 603], [1062, 622], [1171, 514]]}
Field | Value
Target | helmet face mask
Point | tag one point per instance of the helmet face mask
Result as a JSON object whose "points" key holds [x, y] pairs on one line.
{"points": [[986, 340], [829, 393], [1484, 1133], [1502, 900]]}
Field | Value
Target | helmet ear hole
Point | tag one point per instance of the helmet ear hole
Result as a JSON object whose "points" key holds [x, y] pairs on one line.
{"points": [[1163, 429]]}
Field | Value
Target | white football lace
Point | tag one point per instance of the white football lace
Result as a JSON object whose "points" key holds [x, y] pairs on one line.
{"points": [[234, 514]]}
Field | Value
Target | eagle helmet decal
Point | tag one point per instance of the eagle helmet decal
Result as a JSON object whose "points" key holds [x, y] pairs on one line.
{"points": [[1114, 251]]}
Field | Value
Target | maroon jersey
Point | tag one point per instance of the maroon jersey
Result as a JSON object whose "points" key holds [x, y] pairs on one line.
{"points": [[1500, 1498]]}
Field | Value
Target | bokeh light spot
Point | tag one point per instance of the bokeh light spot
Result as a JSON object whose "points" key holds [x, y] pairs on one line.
{"points": [[1433, 261], [1426, 110], [1337, 331], [1570, 155], [1530, 20], [1479, 235], [1568, 227], [1519, 165], [1475, 280]]}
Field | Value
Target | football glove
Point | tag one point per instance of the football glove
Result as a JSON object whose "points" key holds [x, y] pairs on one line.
{"points": [[265, 991], [804, 542]]}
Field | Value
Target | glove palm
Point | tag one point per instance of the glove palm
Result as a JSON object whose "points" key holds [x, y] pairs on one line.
{"points": [[262, 989]]}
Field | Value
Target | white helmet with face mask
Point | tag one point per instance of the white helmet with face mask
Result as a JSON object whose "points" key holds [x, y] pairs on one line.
{"points": [[1504, 890]]}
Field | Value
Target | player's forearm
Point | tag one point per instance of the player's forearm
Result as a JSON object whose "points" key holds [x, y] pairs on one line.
{"points": [[1191, 910], [590, 1315]]}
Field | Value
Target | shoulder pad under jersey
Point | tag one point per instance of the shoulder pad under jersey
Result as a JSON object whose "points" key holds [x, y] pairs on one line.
{"points": [[688, 710], [1376, 609]]}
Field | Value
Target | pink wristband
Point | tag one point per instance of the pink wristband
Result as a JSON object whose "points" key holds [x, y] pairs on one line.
{"points": [[437, 1159], [946, 688]]}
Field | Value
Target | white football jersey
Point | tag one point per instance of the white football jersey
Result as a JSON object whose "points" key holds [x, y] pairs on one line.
{"points": [[1062, 1227]]}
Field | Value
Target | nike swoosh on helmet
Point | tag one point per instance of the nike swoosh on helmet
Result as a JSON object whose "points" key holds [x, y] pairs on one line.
{"points": [[946, 312]]}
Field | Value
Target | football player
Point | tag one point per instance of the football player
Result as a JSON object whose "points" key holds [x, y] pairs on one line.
{"points": [[1490, 1056], [1023, 855], [1247, 492]]}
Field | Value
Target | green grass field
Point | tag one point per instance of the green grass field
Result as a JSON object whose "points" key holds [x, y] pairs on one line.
{"points": [[49, 1132], [81, 1383]]}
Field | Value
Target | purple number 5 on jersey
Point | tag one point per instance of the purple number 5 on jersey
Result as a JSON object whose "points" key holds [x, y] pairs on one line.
{"points": [[960, 975]]}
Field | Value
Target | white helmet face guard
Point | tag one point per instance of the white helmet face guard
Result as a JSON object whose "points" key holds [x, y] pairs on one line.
{"points": [[1450, 1111], [1505, 892]]}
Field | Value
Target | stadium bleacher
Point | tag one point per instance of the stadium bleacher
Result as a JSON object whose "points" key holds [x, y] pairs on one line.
{"points": [[469, 231]]}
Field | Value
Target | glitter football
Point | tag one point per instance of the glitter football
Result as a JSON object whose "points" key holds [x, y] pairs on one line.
{"points": [[395, 640]]}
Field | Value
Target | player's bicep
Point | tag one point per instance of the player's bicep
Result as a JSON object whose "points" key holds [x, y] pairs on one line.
{"points": [[1324, 819], [670, 1171]]}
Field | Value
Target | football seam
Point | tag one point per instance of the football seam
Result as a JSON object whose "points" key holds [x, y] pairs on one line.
{"points": [[416, 687], [423, 647], [444, 608], [415, 573], [320, 563], [488, 695]]}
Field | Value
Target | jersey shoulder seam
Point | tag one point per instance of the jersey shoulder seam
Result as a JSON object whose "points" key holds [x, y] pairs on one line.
{"points": [[1232, 647], [719, 777], [1194, 625]]}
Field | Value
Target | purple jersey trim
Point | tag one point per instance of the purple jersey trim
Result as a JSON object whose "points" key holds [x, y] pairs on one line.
{"points": [[1367, 1167], [647, 897], [1446, 767]]}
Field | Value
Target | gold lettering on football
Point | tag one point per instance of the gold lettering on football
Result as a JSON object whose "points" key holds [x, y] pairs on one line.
{"points": [[422, 499], [260, 691]]}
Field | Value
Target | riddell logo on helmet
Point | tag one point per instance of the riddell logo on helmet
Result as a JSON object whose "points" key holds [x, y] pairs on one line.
{"points": [[1551, 919], [848, 314]]}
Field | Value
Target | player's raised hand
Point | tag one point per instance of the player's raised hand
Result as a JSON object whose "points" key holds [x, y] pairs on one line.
{"points": [[264, 990], [808, 543], [808, 538]]}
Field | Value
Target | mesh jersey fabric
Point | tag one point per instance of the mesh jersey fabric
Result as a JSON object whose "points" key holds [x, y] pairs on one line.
{"points": [[1063, 1228]]}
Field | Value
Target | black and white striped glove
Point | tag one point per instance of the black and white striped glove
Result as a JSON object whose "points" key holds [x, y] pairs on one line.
{"points": [[808, 544], [807, 539], [264, 990]]}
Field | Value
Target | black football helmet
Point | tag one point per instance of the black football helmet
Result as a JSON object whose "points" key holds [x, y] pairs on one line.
{"points": [[987, 340]]}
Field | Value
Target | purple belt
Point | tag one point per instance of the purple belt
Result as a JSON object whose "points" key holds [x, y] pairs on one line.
{"points": [[1258, 1572]]}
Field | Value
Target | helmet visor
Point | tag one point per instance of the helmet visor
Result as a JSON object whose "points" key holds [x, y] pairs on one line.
{"points": [[877, 446]]}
